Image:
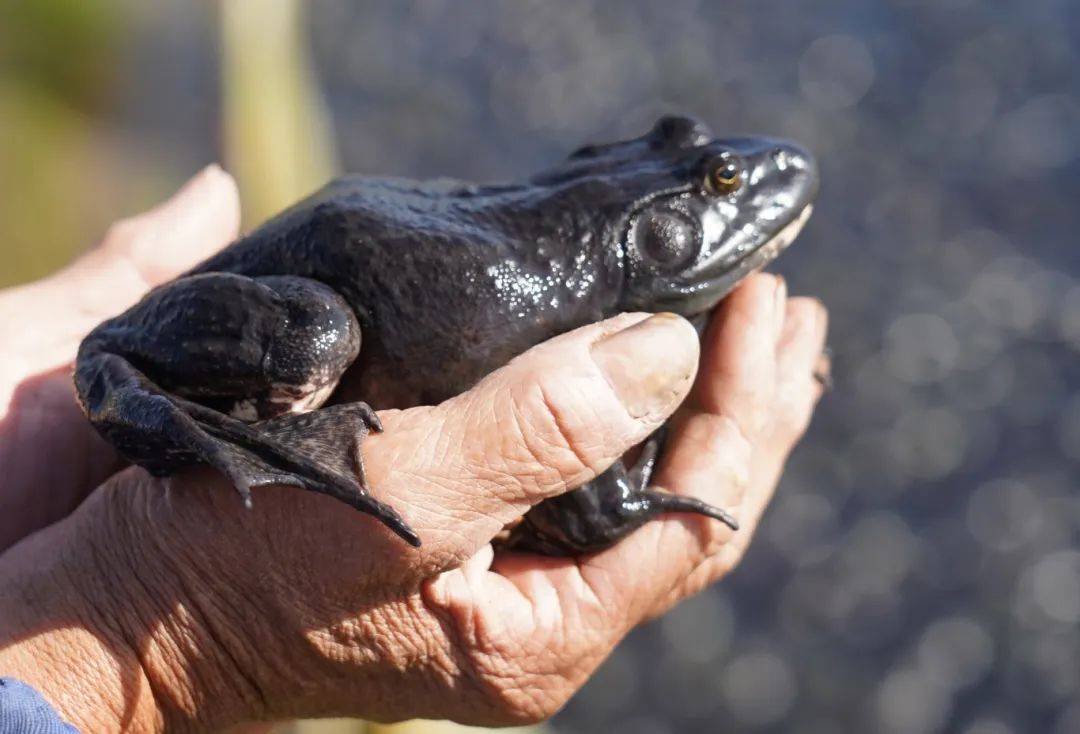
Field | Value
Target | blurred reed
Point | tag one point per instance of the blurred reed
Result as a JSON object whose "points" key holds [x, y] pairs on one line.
{"points": [[280, 146], [278, 139], [57, 70]]}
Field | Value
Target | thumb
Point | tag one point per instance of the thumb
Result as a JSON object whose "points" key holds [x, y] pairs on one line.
{"points": [[136, 254], [142, 251], [547, 422]]}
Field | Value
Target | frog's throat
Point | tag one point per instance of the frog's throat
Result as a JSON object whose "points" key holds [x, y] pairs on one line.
{"points": [[765, 253], [769, 251], [782, 239]]}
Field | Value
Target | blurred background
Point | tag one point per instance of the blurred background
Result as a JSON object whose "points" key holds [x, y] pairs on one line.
{"points": [[920, 569]]}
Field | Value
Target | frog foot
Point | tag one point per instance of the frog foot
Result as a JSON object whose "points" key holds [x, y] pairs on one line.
{"points": [[317, 451], [661, 502], [152, 422], [598, 514]]}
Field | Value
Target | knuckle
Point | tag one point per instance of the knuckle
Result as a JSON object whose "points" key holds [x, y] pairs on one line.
{"points": [[522, 700], [512, 682]]}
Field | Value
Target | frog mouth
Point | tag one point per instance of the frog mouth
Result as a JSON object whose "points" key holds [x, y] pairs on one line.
{"points": [[776, 244], [707, 293], [763, 254]]}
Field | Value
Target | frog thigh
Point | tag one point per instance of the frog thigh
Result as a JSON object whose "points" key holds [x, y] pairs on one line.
{"points": [[171, 382]]}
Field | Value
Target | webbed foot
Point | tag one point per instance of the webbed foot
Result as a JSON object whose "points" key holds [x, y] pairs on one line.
{"points": [[318, 451], [600, 513], [184, 376]]}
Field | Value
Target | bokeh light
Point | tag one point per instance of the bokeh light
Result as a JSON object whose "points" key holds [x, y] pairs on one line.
{"points": [[920, 568]]}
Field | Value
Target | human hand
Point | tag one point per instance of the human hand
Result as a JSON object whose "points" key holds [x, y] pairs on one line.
{"points": [[165, 603], [51, 456]]}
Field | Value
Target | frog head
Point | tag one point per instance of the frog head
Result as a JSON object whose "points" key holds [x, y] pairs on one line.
{"points": [[683, 216]]}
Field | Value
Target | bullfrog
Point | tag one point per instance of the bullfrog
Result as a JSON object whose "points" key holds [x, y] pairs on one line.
{"points": [[268, 360]]}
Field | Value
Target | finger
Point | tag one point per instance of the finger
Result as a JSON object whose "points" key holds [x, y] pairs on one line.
{"points": [[798, 350], [550, 420], [144, 250], [533, 617], [150, 248], [612, 591], [709, 452], [797, 394], [711, 448], [800, 357], [739, 358]]}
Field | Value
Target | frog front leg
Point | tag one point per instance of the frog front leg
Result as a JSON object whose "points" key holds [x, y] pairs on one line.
{"points": [[218, 369], [598, 514]]}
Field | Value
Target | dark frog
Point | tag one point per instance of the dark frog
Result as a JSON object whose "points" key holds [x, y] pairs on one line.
{"points": [[229, 364]]}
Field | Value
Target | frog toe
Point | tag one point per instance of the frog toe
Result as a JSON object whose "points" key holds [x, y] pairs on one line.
{"points": [[663, 503], [317, 451]]}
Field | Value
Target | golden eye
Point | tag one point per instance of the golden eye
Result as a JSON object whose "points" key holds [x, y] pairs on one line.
{"points": [[723, 176]]}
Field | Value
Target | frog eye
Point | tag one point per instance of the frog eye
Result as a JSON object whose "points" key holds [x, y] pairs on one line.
{"points": [[666, 239], [723, 175]]}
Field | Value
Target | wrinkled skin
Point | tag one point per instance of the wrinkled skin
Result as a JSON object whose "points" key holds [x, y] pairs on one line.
{"points": [[402, 293], [166, 606]]}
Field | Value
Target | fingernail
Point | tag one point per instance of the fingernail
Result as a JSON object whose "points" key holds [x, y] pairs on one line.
{"points": [[649, 365], [196, 183], [208, 171]]}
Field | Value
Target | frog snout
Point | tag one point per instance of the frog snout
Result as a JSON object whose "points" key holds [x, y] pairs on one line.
{"points": [[778, 171], [796, 170]]}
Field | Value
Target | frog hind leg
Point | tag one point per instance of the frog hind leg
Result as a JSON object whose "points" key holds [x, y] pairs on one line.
{"points": [[602, 512], [241, 342]]}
